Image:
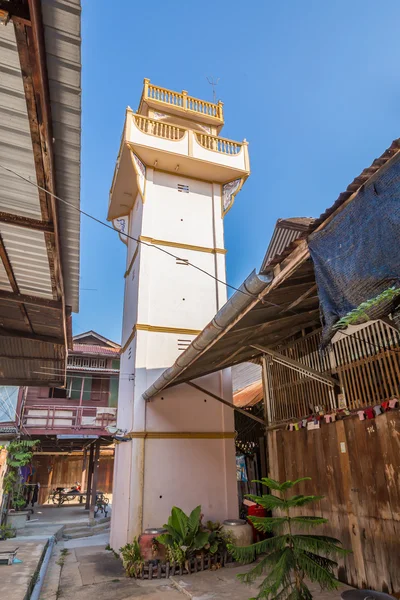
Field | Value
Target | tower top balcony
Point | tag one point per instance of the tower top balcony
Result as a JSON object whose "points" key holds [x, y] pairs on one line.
{"points": [[180, 104]]}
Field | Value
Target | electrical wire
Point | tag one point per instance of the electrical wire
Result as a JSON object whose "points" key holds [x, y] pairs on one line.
{"points": [[138, 241]]}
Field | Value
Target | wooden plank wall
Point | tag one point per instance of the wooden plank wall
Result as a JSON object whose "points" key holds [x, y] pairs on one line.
{"points": [[361, 486], [63, 471]]}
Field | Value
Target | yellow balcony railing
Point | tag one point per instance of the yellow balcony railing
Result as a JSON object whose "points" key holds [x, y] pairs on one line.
{"points": [[183, 101], [159, 129], [218, 144]]}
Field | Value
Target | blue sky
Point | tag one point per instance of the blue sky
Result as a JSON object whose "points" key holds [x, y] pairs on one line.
{"points": [[313, 86]]}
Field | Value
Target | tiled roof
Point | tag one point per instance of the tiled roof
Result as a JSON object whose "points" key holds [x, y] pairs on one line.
{"points": [[93, 349]]}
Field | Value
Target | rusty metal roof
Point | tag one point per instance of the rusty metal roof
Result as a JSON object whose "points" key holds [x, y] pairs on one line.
{"points": [[249, 396], [40, 124]]}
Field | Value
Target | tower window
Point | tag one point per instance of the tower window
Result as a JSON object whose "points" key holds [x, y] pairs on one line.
{"points": [[183, 188]]}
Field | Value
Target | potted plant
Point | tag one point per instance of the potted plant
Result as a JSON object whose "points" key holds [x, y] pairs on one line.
{"points": [[19, 454]]}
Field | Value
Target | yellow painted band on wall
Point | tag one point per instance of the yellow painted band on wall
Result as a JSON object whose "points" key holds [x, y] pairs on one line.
{"points": [[157, 329], [182, 435], [160, 329], [183, 246]]}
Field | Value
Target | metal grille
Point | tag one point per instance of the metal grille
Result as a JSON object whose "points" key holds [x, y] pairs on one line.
{"points": [[295, 395], [368, 364]]}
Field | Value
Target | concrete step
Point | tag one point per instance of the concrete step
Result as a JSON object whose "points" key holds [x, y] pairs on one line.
{"points": [[94, 528], [85, 524], [81, 532]]}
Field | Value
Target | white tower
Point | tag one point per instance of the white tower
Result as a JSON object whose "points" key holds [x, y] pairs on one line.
{"points": [[174, 181]]}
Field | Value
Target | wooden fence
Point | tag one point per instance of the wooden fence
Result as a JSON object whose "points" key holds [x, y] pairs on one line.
{"points": [[355, 465]]}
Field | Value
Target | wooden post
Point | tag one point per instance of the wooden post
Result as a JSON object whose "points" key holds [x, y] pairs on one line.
{"points": [[96, 465], [82, 388], [89, 477], [84, 472]]}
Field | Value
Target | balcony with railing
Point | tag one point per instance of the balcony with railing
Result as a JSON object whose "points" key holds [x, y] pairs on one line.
{"points": [[182, 104], [53, 419], [225, 158]]}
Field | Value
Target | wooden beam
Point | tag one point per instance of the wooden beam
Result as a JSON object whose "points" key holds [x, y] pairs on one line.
{"points": [[300, 299], [31, 336], [27, 299], [223, 401], [297, 366], [32, 56], [26, 222]]}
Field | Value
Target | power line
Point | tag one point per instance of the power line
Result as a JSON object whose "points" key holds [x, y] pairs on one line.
{"points": [[138, 241]]}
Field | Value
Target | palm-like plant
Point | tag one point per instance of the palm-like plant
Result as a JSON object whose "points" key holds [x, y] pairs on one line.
{"points": [[289, 557]]}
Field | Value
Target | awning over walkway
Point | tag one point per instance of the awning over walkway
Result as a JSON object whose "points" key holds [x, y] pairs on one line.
{"points": [[40, 120], [270, 308]]}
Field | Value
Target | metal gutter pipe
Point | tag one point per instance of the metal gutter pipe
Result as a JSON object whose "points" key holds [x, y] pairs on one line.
{"points": [[248, 291], [43, 569]]}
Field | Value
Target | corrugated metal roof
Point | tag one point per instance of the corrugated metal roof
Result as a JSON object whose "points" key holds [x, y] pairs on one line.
{"points": [[285, 232], [244, 374], [249, 396], [61, 21], [17, 196], [27, 252], [33, 333], [62, 31]]}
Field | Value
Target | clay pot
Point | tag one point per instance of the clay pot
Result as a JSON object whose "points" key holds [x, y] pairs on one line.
{"points": [[146, 544], [240, 532]]}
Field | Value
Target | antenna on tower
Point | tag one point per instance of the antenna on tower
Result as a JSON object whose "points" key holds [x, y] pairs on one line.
{"points": [[213, 84]]}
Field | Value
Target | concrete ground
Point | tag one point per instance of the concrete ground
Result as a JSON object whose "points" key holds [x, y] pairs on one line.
{"points": [[89, 572], [46, 521], [16, 579]]}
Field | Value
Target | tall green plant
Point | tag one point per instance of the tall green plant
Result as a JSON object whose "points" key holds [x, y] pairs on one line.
{"points": [[184, 535], [290, 557], [19, 454]]}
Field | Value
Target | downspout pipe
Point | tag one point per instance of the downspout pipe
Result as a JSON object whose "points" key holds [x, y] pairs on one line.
{"points": [[239, 301]]}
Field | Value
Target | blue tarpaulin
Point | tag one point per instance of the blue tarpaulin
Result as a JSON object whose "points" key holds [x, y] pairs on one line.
{"points": [[356, 256]]}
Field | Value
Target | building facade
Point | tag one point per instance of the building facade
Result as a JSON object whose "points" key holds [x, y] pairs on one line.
{"points": [[87, 405], [174, 182]]}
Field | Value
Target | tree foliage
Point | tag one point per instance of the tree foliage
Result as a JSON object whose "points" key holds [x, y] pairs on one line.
{"points": [[289, 558], [19, 454]]}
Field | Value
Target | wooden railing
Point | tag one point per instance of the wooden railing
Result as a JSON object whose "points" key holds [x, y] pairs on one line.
{"points": [[212, 142], [159, 129], [67, 417], [183, 101]]}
